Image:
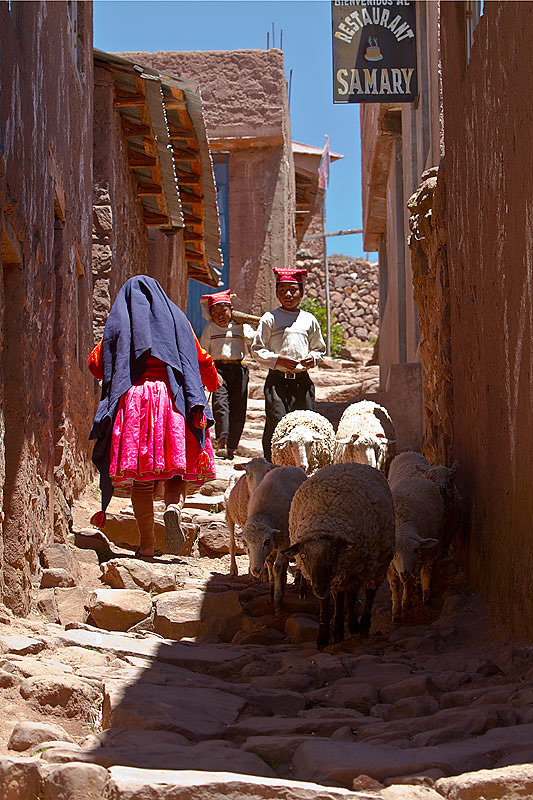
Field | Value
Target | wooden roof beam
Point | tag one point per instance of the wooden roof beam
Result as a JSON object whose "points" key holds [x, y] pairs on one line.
{"points": [[190, 197], [151, 218], [191, 219], [123, 99], [137, 159], [177, 132], [188, 178], [147, 189], [191, 236], [131, 128]]}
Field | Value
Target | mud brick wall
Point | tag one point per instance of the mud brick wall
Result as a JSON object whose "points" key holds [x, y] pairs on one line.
{"points": [[47, 395], [489, 162]]}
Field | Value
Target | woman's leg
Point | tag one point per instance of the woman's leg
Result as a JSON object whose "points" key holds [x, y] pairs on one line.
{"points": [[175, 492], [142, 500]]}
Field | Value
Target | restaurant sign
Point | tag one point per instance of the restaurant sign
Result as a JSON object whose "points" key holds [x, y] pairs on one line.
{"points": [[374, 51]]}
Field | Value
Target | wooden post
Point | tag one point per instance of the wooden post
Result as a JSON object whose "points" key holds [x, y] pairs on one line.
{"points": [[326, 278]]}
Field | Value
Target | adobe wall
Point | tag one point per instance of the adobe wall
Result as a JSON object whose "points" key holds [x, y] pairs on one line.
{"points": [[122, 244], [489, 162], [246, 112], [45, 283]]}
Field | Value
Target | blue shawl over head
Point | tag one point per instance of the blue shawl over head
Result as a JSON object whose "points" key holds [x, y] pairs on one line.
{"points": [[143, 320]]}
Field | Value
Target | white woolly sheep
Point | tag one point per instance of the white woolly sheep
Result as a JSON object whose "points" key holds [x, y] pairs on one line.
{"points": [[266, 532], [342, 533], [428, 514], [304, 439], [411, 465], [236, 498], [419, 521], [365, 435], [406, 465]]}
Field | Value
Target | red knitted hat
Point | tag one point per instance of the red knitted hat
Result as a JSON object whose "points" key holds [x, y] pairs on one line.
{"points": [[217, 297], [289, 275], [207, 301]]}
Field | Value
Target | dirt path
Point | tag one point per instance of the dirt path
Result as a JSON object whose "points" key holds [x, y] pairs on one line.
{"points": [[156, 669]]}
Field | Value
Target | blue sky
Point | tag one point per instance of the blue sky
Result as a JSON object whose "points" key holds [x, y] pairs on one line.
{"points": [[241, 24]]}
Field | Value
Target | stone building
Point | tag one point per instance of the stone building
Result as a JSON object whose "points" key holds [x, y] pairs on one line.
{"points": [[398, 143], [247, 118], [46, 394], [154, 199], [473, 247]]}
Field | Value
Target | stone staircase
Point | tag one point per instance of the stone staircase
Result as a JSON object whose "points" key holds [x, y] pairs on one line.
{"points": [[169, 679]]}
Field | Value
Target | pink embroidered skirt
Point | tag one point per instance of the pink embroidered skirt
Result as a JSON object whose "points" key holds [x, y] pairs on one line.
{"points": [[151, 441]]}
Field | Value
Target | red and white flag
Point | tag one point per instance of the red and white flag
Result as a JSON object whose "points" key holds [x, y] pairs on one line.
{"points": [[323, 170]]}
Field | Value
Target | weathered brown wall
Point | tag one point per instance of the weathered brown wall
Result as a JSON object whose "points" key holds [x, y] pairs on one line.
{"points": [[489, 162], [429, 259], [122, 244], [45, 167], [246, 112]]}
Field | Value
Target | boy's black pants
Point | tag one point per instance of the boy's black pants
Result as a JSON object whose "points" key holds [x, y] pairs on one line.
{"points": [[283, 395], [229, 402]]}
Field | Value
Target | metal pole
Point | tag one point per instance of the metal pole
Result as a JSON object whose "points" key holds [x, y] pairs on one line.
{"points": [[334, 233], [326, 278]]}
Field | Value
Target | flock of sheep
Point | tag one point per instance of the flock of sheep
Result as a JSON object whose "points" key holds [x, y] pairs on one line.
{"points": [[325, 502]]}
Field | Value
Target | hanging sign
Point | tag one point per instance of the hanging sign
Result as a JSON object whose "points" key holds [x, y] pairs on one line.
{"points": [[374, 51]]}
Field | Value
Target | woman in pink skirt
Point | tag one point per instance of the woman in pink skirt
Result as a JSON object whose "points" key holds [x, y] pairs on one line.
{"points": [[153, 419]]}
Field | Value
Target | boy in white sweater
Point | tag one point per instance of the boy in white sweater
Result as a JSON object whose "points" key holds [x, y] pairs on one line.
{"points": [[289, 342], [225, 340]]}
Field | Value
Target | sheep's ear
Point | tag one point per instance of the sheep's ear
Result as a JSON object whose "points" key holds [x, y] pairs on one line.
{"points": [[291, 551], [427, 544], [424, 471], [241, 467], [284, 440]]}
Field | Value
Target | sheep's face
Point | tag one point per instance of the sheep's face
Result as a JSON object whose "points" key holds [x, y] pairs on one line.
{"points": [[298, 443], [256, 469], [444, 480], [409, 553], [259, 541], [361, 449], [318, 560]]}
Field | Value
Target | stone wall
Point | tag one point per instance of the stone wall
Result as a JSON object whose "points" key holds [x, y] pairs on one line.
{"points": [[489, 162], [244, 95], [47, 394], [354, 286]]}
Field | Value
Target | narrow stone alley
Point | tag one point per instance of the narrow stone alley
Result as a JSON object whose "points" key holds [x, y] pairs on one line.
{"points": [[133, 669]]}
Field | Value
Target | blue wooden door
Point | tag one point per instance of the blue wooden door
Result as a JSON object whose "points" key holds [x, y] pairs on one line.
{"points": [[196, 289]]}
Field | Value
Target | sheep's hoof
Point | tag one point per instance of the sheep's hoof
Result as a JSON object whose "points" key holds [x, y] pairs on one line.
{"points": [[353, 626], [426, 599], [396, 618], [234, 572], [322, 640]]}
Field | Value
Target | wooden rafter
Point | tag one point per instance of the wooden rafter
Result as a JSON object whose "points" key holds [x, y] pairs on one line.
{"points": [[147, 189], [137, 159], [132, 128], [151, 218], [123, 98]]}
